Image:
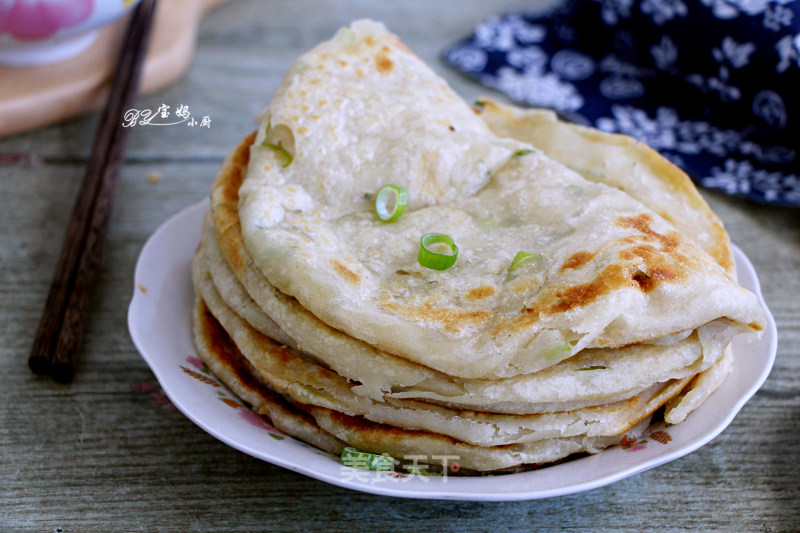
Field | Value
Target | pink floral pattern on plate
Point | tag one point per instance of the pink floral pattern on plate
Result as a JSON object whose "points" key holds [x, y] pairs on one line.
{"points": [[244, 412]]}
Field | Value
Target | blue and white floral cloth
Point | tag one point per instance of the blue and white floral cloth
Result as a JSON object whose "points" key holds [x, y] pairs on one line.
{"points": [[714, 85]]}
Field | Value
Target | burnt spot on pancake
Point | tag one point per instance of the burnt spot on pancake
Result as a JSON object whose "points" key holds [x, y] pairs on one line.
{"points": [[384, 64], [345, 272], [645, 282], [479, 293], [755, 326], [577, 260]]}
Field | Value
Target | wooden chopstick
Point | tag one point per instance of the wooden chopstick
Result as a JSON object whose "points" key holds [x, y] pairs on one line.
{"points": [[55, 347]]}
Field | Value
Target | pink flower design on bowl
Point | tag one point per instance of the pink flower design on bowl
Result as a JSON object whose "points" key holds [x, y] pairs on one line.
{"points": [[41, 32], [28, 20]]}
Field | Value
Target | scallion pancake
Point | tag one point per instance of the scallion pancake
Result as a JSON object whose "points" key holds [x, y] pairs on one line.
{"points": [[324, 318], [611, 272]]}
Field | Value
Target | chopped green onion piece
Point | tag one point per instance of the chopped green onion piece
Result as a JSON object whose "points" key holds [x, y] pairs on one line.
{"points": [[490, 223], [347, 35], [420, 471], [437, 260], [524, 257], [283, 156], [557, 353], [365, 460], [480, 104], [524, 151], [598, 367], [394, 195]]}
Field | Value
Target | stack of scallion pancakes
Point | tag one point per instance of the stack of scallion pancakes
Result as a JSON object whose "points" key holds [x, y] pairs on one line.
{"points": [[386, 268]]}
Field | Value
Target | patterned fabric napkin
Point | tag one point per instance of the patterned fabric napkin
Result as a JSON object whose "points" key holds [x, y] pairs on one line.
{"points": [[714, 85]]}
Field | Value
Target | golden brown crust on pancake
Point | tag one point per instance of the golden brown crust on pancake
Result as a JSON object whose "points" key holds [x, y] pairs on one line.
{"points": [[261, 357], [560, 299], [647, 249], [479, 293], [225, 205], [502, 119], [577, 260], [225, 350], [222, 356], [357, 430], [345, 272], [452, 319], [383, 63]]}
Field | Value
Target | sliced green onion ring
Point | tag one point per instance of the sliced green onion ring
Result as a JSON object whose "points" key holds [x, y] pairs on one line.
{"points": [[523, 257], [437, 260], [394, 195], [284, 157], [365, 460]]}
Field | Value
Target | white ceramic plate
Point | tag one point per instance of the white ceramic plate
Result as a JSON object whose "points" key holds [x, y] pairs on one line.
{"points": [[160, 322]]}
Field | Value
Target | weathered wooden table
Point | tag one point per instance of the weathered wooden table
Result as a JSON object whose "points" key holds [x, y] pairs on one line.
{"points": [[109, 453]]}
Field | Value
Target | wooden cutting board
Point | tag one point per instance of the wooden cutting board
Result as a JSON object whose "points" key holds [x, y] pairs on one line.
{"points": [[31, 97]]}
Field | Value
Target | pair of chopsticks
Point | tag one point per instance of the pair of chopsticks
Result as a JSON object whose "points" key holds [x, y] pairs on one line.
{"points": [[55, 348]]}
